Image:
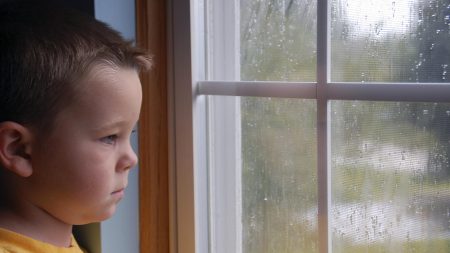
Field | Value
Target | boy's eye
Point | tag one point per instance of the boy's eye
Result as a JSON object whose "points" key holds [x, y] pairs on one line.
{"points": [[110, 139]]}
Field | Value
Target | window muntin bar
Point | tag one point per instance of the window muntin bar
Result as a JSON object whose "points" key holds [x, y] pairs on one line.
{"points": [[438, 92]]}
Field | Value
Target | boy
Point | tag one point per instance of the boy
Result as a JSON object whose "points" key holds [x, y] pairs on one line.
{"points": [[69, 99]]}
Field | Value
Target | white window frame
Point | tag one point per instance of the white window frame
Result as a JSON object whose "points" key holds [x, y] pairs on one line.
{"points": [[192, 231], [224, 116]]}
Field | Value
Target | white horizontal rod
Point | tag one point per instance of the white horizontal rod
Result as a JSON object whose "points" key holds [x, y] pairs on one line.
{"points": [[258, 89], [413, 92]]}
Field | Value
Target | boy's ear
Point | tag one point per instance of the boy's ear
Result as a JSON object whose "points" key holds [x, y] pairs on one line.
{"points": [[15, 148]]}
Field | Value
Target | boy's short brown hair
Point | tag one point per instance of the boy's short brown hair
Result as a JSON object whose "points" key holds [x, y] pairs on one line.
{"points": [[44, 51]]}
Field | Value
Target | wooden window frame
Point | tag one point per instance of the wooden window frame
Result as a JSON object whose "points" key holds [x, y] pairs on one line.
{"points": [[151, 34]]}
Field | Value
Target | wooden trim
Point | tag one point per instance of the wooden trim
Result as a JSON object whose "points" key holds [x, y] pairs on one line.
{"points": [[153, 130]]}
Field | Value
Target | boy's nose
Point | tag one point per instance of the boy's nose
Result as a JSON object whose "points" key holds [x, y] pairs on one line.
{"points": [[128, 160]]}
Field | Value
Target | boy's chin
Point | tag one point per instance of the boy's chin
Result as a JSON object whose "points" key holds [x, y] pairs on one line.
{"points": [[99, 217]]}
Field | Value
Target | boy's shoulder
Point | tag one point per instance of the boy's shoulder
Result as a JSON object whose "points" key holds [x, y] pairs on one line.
{"points": [[11, 242]]}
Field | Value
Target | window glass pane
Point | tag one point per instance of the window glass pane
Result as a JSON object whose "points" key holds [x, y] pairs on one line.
{"points": [[390, 41], [278, 40], [390, 177], [275, 199], [279, 182]]}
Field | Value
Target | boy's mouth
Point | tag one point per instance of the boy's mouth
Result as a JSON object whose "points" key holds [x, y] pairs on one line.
{"points": [[118, 194], [119, 191]]}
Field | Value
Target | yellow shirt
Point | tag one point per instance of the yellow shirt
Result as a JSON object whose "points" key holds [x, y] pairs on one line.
{"points": [[11, 242]]}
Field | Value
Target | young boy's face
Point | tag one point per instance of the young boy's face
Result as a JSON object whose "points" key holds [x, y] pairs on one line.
{"points": [[81, 169]]}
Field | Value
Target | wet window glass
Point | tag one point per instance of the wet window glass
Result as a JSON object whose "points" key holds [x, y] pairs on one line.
{"points": [[390, 41], [279, 175], [274, 191], [390, 177], [389, 161], [278, 40]]}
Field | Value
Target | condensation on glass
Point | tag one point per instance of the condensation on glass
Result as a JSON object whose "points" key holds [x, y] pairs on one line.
{"points": [[275, 185], [390, 41], [279, 178], [390, 177], [279, 160], [278, 40], [390, 172]]}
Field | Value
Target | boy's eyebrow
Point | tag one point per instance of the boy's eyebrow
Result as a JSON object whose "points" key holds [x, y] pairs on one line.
{"points": [[110, 125]]}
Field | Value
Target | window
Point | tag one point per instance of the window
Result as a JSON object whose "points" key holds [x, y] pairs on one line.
{"points": [[317, 126]]}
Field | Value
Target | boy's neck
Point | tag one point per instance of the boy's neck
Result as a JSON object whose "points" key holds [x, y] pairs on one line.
{"points": [[31, 221]]}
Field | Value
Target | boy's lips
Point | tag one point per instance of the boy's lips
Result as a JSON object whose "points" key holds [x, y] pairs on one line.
{"points": [[119, 191], [118, 194]]}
